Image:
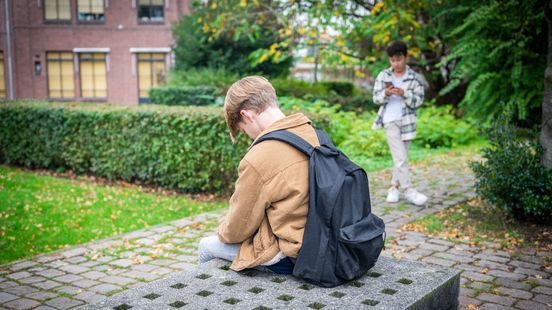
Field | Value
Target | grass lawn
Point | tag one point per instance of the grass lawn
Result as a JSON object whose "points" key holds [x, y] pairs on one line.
{"points": [[40, 213], [475, 222]]}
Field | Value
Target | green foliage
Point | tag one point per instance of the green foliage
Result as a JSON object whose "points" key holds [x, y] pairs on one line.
{"points": [[498, 48], [219, 78], [203, 45], [183, 95], [512, 176], [437, 127], [182, 148], [341, 88]]}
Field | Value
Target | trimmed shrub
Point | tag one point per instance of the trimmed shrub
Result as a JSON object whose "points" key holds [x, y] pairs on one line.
{"points": [[512, 177], [182, 148], [437, 127], [183, 95]]}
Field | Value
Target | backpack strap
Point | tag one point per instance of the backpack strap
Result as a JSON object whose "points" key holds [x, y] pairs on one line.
{"points": [[324, 138], [289, 138]]}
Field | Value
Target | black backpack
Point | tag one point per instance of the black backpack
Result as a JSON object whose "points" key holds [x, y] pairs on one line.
{"points": [[343, 238]]}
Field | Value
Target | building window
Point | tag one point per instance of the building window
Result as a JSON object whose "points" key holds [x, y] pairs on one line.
{"points": [[57, 10], [2, 77], [61, 80], [151, 10], [90, 10], [93, 75], [151, 73]]}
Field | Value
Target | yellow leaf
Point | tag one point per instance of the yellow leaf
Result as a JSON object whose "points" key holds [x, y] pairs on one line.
{"points": [[263, 58], [214, 6], [243, 3], [376, 8]]}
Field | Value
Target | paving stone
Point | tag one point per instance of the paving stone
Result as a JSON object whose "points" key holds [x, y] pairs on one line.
{"points": [[480, 286], [162, 229], [467, 301], [542, 290], [74, 252], [468, 267], [41, 295], [105, 259], [520, 294], [89, 264], [497, 299], [114, 272], [44, 308], [104, 288], [140, 275], [543, 282], [438, 261], [494, 258], [531, 305], [122, 262], [138, 234], [530, 272], [5, 297], [519, 263], [20, 290], [434, 247], [22, 265], [144, 267], [163, 262], [145, 241], [491, 265], [496, 253], [55, 264], [93, 275], [89, 297], [491, 306], [71, 290], [46, 285], [22, 303], [477, 276], [47, 258], [50, 273], [504, 274], [85, 283], [441, 242], [74, 269], [530, 259], [162, 271], [19, 275], [453, 257], [184, 266], [467, 292], [68, 278], [31, 280], [512, 284], [545, 299], [63, 303], [75, 260], [117, 280]]}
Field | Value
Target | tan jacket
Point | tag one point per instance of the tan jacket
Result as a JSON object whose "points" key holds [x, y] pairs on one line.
{"points": [[268, 209]]}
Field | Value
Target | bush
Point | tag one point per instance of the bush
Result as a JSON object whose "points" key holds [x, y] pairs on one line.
{"points": [[512, 176], [182, 148], [341, 88], [183, 95], [437, 127], [219, 78]]}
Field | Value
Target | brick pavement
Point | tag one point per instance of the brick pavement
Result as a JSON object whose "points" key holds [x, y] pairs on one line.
{"points": [[491, 279]]}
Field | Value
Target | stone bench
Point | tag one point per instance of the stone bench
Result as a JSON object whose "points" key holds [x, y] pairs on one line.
{"points": [[391, 284]]}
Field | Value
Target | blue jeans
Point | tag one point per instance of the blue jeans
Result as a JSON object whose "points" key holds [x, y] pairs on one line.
{"points": [[211, 248]]}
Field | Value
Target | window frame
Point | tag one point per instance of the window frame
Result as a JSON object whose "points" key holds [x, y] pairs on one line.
{"points": [[89, 22], [57, 21], [3, 73], [93, 60], [151, 60], [150, 22], [48, 76]]}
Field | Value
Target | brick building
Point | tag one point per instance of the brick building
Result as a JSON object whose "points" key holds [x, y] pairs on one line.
{"points": [[86, 50]]}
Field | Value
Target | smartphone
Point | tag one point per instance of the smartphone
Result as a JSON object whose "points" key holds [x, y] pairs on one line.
{"points": [[388, 84]]}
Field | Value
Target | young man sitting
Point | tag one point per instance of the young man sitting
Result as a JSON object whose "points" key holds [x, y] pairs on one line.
{"points": [[268, 210]]}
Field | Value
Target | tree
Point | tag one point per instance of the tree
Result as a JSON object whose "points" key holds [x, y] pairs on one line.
{"points": [[546, 129]]}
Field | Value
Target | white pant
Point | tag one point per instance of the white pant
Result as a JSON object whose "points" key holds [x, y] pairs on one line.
{"points": [[399, 152], [211, 247]]}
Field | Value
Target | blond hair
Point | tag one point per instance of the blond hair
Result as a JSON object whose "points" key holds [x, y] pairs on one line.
{"points": [[251, 93]]}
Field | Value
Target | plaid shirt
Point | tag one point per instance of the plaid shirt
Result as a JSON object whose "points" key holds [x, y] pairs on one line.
{"points": [[413, 87]]}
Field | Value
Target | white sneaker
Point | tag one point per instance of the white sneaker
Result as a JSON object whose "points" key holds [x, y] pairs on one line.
{"points": [[393, 195], [414, 197]]}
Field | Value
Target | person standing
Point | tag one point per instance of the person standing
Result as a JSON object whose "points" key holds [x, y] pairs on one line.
{"points": [[399, 91]]}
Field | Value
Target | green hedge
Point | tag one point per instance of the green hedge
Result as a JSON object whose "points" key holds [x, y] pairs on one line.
{"points": [[183, 95], [183, 148]]}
